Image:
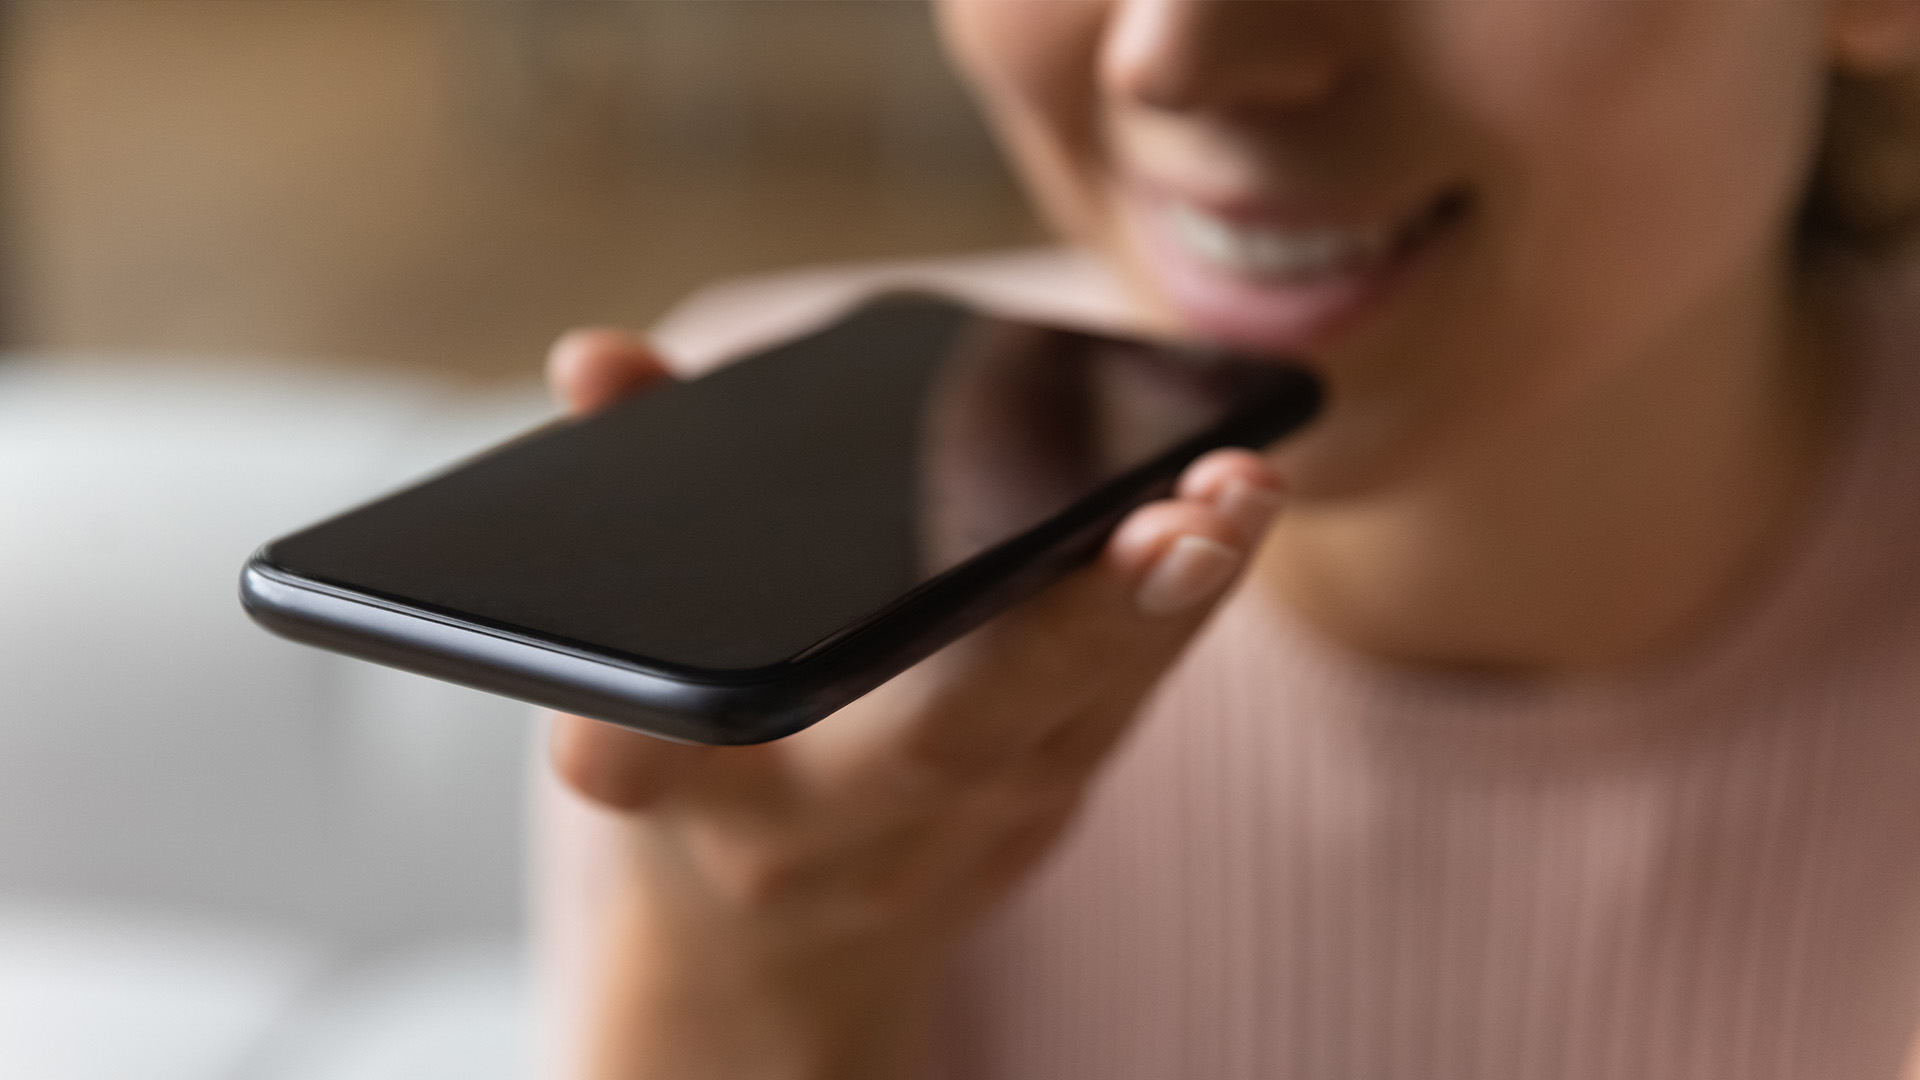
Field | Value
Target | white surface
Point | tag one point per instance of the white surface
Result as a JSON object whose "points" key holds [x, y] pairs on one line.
{"points": [[221, 854], [91, 994], [447, 1013]]}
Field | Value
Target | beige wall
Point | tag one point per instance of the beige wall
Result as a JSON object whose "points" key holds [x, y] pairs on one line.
{"points": [[446, 184]]}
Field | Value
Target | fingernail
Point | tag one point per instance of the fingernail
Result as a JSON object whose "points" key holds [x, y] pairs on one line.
{"points": [[1189, 574], [1248, 506]]}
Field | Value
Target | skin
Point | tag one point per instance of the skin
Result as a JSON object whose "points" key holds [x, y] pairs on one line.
{"points": [[1624, 269]]}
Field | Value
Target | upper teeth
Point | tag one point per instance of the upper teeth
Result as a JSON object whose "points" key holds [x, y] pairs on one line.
{"points": [[1273, 252]]}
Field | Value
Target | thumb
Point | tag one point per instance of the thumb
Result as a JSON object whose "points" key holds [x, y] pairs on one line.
{"points": [[590, 369]]}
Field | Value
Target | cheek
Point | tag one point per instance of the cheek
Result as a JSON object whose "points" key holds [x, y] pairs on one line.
{"points": [[1643, 156], [1635, 164], [1032, 66]]}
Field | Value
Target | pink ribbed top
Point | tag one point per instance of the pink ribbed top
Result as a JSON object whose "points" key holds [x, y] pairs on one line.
{"points": [[1306, 866]]}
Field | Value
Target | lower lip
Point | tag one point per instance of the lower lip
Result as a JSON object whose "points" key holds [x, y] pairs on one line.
{"points": [[1269, 315]]}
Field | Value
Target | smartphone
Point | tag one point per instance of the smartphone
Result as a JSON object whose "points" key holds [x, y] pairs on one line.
{"points": [[728, 559]]}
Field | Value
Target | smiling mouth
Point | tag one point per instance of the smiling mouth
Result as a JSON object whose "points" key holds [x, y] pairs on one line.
{"points": [[1271, 253]]}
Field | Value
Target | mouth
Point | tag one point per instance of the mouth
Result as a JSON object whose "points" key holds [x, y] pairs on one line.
{"points": [[1259, 280], [1270, 252]]}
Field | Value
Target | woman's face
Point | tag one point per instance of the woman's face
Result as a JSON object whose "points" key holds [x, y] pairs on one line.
{"points": [[1470, 216]]}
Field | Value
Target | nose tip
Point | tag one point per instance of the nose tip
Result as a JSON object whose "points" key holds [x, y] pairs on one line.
{"points": [[1195, 55]]}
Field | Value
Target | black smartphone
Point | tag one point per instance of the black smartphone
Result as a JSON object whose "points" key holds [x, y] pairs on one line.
{"points": [[729, 559]]}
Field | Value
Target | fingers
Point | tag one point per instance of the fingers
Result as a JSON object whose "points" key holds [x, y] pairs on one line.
{"points": [[592, 368], [1239, 484], [614, 766], [1181, 553], [1091, 646]]}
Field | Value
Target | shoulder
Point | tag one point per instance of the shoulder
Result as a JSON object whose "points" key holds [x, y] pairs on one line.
{"points": [[1057, 284]]}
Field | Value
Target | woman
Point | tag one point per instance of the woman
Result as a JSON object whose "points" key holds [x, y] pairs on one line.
{"points": [[1561, 723]]}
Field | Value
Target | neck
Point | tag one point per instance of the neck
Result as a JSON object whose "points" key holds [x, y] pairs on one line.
{"points": [[1621, 525]]}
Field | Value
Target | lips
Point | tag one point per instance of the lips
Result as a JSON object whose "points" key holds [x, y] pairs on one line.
{"points": [[1285, 284]]}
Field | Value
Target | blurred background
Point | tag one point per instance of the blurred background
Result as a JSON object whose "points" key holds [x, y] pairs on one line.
{"points": [[262, 258], [441, 185]]}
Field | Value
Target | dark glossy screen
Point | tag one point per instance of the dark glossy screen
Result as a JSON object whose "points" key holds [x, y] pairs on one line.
{"points": [[736, 520]]}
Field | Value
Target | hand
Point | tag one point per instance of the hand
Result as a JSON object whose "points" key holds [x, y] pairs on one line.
{"points": [[790, 905]]}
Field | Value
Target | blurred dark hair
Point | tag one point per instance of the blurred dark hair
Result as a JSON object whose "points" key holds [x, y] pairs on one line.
{"points": [[1865, 191]]}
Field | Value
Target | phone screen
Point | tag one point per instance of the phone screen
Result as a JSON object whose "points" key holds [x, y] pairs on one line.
{"points": [[738, 520]]}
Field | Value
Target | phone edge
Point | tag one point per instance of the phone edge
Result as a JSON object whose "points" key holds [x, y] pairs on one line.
{"points": [[477, 657]]}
